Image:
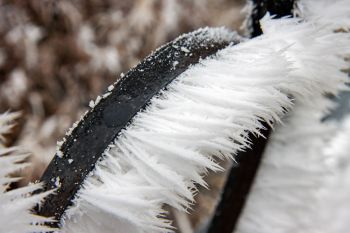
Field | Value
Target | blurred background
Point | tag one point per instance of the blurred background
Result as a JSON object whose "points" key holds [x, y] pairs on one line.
{"points": [[55, 56]]}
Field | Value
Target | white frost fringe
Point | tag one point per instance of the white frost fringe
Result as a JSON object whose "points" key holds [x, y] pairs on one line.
{"points": [[302, 184], [203, 116], [334, 208], [15, 205]]}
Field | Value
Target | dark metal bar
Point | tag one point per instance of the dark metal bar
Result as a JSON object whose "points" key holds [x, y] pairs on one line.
{"points": [[102, 124], [237, 187]]}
